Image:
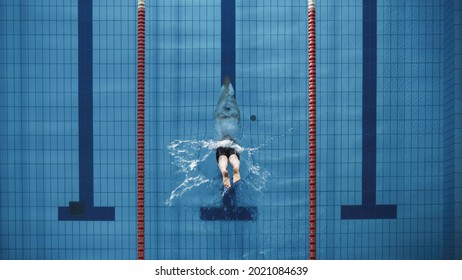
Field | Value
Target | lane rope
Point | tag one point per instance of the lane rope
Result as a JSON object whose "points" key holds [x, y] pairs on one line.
{"points": [[140, 126], [312, 126]]}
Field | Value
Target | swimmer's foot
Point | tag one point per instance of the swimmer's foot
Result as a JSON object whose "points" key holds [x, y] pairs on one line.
{"points": [[236, 176], [226, 181]]}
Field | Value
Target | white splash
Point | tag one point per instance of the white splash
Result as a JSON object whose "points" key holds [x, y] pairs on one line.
{"points": [[198, 171]]}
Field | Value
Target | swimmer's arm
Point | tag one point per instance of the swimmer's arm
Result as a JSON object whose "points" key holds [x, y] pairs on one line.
{"points": [[221, 101]]}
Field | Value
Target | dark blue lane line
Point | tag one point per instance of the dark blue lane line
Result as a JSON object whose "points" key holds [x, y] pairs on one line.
{"points": [[369, 102], [84, 208], [369, 208], [229, 211], [228, 40]]}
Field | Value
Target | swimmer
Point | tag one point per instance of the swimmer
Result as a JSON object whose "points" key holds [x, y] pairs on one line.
{"points": [[227, 121]]}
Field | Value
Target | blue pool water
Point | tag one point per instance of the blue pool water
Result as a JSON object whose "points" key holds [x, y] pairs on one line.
{"points": [[389, 99]]}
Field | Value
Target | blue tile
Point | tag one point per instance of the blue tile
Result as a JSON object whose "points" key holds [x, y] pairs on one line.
{"points": [[418, 93]]}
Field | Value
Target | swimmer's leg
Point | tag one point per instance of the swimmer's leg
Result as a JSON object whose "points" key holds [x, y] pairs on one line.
{"points": [[223, 166], [234, 160]]}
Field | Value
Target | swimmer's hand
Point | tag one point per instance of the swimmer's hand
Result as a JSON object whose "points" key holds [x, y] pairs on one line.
{"points": [[227, 87]]}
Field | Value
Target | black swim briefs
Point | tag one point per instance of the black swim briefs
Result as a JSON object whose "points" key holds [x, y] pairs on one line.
{"points": [[226, 151]]}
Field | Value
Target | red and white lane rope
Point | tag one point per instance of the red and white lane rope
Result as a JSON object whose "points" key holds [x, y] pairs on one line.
{"points": [[312, 124], [140, 125]]}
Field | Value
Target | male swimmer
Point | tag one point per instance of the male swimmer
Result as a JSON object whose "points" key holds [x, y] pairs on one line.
{"points": [[227, 122]]}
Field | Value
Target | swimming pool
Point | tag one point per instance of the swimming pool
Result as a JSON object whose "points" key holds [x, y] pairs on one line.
{"points": [[388, 129]]}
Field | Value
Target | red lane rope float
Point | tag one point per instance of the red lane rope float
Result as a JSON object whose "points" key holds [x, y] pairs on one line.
{"points": [[312, 125], [140, 125]]}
